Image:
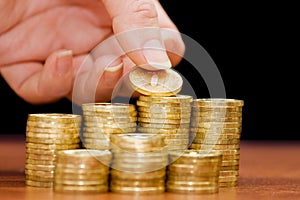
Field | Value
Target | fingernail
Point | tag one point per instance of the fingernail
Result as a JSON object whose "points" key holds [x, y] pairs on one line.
{"points": [[156, 55], [111, 77], [64, 62], [114, 68]]}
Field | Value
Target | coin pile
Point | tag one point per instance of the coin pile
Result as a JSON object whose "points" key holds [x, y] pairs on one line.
{"points": [[46, 134], [193, 172], [156, 83], [216, 125], [166, 115], [103, 119], [139, 163], [82, 170]]}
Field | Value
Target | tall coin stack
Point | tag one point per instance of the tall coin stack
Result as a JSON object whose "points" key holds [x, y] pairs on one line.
{"points": [[46, 134], [139, 163], [216, 125], [193, 172], [166, 115], [103, 119], [82, 170]]}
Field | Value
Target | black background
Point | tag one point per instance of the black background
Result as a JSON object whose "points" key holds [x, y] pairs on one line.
{"points": [[255, 49]]}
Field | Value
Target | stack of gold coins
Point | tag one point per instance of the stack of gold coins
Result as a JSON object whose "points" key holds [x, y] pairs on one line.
{"points": [[216, 125], [103, 119], [82, 170], [193, 172], [139, 164], [45, 135], [166, 115]]}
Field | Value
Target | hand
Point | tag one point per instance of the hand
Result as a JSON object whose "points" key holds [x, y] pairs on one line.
{"points": [[43, 44]]}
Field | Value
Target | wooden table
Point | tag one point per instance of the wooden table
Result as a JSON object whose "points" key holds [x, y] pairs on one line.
{"points": [[268, 170]]}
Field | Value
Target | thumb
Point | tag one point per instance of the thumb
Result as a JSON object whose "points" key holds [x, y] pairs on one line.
{"points": [[135, 24]]}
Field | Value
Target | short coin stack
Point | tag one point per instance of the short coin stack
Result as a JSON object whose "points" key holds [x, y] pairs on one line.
{"points": [[103, 119], [82, 170], [46, 134], [166, 115], [216, 125], [193, 172], [139, 163]]}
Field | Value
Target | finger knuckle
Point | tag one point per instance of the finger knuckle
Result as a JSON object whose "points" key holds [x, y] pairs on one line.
{"points": [[145, 9]]}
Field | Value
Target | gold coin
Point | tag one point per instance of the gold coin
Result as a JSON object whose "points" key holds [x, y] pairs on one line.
{"points": [[138, 168], [200, 174], [50, 152], [170, 110], [215, 141], [99, 130], [164, 126], [84, 155], [195, 170], [142, 161], [147, 155], [191, 189], [52, 136], [156, 174], [170, 99], [138, 183], [188, 179], [222, 109], [216, 136], [96, 146], [55, 118], [80, 188], [53, 131], [177, 136], [39, 167], [137, 190], [156, 83], [75, 176], [111, 114], [216, 125], [177, 141], [40, 162], [113, 126], [103, 136], [51, 146], [213, 182], [230, 152], [216, 119], [226, 168], [52, 141], [229, 173], [45, 174], [40, 157], [164, 115], [110, 120], [196, 154], [163, 121], [167, 132], [226, 163], [138, 139], [225, 179], [103, 180], [216, 130], [218, 102], [53, 125], [163, 105], [199, 113], [39, 183], [214, 147], [177, 147], [38, 178], [105, 107], [96, 141], [80, 171], [228, 184]]}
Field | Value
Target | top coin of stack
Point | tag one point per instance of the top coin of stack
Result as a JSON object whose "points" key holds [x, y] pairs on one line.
{"points": [[166, 115], [139, 163], [103, 119], [156, 83], [216, 125], [45, 135]]}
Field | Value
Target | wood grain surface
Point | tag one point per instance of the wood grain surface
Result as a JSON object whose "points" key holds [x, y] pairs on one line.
{"points": [[268, 170]]}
